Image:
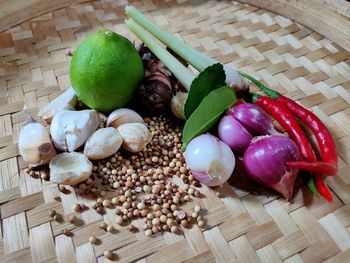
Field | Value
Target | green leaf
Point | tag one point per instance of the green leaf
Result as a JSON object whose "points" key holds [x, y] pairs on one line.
{"points": [[208, 113], [211, 78]]}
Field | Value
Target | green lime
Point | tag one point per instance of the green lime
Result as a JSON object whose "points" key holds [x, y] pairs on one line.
{"points": [[105, 70]]}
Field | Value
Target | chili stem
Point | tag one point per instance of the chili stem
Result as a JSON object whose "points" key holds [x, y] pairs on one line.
{"points": [[197, 59], [184, 75], [269, 92]]}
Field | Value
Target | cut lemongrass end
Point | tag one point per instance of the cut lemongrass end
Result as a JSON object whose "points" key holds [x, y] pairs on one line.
{"points": [[183, 74], [197, 59]]}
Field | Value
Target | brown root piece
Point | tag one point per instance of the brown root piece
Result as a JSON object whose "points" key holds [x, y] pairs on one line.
{"points": [[156, 89]]}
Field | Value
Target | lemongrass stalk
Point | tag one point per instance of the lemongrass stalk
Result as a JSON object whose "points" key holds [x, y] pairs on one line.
{"points": [[183, 74], [197, 59]]}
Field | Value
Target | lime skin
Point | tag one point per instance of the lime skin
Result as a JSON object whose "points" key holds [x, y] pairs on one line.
{"points": [[105, 71]]}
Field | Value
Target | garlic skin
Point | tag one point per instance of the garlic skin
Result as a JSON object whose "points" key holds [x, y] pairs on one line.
{"points": [[66, 101], [121, 116], [34, 142], [70, 129], [135, 136], [70, 168], [103, 143], [177, 105]]}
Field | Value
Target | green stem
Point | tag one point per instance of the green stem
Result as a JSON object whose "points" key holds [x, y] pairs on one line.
{"points": [[312, 187], [183, 74], [197, 59], [269, 92]]}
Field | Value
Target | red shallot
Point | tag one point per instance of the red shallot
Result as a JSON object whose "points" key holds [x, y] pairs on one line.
{"points": [[265, 161]]}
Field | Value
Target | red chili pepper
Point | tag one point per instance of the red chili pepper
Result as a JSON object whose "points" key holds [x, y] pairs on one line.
{"points": [[329, 165], [322, 188], [287, 120]]}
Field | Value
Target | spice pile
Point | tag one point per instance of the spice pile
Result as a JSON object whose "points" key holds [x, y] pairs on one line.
{"points": [[143, 182]]}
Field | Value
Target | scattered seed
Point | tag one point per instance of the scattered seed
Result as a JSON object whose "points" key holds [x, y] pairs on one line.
{"points": [[110, 228], [155, 221], [170, 222], [62, 188], [67, 232], [148, 233], [72, 219], [92, 239], [155, 229], [132, 228], [115, 200], [191, 191], [201, 224], [174, 229], [106, 203], [100, 210], [108, 254], [184, 223], [52, 213], [163, 218], [76, 207], [104, 226], [57, 218], [197, 209]]}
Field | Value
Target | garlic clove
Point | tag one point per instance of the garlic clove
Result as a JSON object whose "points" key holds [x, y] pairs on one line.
{"points": [[70, 168], [177, 105], [66, 101], [121, 116], [103, 143], [34, 142], [135, 136], [70, 129]]}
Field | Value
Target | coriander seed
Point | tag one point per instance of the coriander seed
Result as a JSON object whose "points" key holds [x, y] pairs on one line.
{"points": [[110, 228], [52, 213], [92, 239], [201, 224], [174, 229], [104, 226], [148, 233], [108, 254], [197, 209], [72, 219]]}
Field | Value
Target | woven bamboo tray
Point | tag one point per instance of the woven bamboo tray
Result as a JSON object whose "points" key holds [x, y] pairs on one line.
{"points": [[242, 225]]}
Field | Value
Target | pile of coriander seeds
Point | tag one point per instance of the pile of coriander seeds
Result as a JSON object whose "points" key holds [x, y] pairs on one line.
{"points": [[143, 182]]}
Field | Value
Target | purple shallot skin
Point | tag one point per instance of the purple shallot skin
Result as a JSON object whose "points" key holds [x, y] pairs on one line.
{"points": [[265, 161], [233, 133], [254, 119]]}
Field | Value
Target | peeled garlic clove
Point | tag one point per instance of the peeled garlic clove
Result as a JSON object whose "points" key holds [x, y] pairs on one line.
{"points": [[178, 105], [34, 142], [103, 143], [66, 101], [135, 136], [121, 116], [70, 129], [70, 168]]}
